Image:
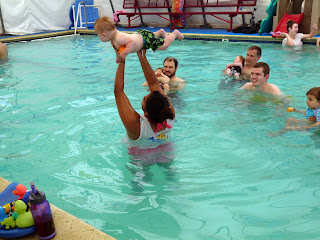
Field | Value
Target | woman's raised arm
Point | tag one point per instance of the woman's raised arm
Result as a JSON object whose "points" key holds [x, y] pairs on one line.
{"points": [[151, 78], [129, 117]]}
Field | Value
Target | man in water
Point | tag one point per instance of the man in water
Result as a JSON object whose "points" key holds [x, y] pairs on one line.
{"points": [[253, 56], [170, 66], [259, 77], [3, 51]]}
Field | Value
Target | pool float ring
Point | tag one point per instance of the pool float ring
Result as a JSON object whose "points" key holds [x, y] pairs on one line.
{"points": [[6, 196], [116, 16], [291, 109], [121, 48]]}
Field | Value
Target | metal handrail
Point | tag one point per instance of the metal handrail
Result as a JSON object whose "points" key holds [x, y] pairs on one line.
{"points": [[85, 14]]}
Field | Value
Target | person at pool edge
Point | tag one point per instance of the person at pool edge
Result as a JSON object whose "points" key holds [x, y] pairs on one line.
{"points": [[293, 38], [156, 123], [170, 66], [259, 77], [253, 56], [3, 51]]}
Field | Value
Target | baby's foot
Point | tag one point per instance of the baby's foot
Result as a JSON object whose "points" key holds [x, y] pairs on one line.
{"points": [[163, 33], [178, 34]]}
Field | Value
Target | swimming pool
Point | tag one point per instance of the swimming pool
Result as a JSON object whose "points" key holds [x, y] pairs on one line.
{"points": [[226, 179]]}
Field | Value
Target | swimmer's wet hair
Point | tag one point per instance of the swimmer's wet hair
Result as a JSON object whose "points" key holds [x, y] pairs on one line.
{"points": [[258, 49], [242, 59], [104, 24], [266, 68], [290, 24], [158, 107], [315, 92]]}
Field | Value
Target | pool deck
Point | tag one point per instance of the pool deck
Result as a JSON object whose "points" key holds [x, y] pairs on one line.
{"points": [[67, 226], [191, 33]]}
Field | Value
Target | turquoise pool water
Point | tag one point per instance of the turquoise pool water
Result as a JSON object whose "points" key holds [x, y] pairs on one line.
{"points": [[225, 179]]}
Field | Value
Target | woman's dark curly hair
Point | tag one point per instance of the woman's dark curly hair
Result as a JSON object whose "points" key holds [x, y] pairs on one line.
{"points": [[157, 107]]}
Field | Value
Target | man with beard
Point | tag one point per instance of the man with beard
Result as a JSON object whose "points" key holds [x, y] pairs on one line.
{"points": [[170, 66]]}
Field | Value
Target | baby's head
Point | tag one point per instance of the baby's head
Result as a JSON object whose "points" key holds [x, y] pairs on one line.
{"points": [[158, 72], [313, 96], [104, 27], [239, 59]]}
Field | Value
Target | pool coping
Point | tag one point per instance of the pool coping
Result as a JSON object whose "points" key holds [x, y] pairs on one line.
{"points": [[189, 36], [67, 225]]}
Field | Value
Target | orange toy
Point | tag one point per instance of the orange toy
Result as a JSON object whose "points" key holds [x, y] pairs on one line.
{"points": [[121, 49], [291, 109], [20, 191]]}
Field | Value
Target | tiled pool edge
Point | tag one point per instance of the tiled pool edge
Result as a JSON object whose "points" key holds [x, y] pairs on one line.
{"points": [[188, 36], [67, 226]]}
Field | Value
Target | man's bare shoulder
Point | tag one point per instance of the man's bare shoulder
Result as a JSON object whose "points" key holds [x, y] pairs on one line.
{"points": [[246, 72], [176, 80], [248, 86], [177, 84], [273, 89]]}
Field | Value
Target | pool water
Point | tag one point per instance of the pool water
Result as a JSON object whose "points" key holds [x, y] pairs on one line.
{"points": [[224, 179]]}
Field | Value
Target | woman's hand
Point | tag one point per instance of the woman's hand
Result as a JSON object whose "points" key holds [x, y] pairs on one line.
{"points": [[142, 53], [315, 27], [283, 34], [119, 59]]}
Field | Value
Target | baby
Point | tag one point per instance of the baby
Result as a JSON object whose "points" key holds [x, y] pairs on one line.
{"points": [[235, 68], [163, 80], [131, 43], [312, 114]]}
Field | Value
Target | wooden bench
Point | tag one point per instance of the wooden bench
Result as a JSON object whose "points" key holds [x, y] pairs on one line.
{"points": [[153, 7]]}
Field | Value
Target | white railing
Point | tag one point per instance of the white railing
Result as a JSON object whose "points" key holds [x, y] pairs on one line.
{"points": [[79, 15]]}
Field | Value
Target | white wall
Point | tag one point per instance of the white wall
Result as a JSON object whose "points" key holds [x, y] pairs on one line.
{"points": [[32, 16]]}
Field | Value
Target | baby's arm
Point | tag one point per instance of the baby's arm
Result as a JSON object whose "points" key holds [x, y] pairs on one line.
{"points": [[130, 44], [236, 64], [299, 111], [163, 79], [117, 52]]}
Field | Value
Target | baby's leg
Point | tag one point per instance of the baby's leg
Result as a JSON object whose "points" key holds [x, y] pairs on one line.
{"points": [[289, 122], [228, 72], [236, 75], [161, 33], [166, 88], [170, 38], [293, 122]]}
